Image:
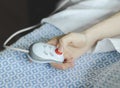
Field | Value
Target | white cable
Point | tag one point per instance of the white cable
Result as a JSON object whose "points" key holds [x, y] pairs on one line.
{"points": [[18, 49], [16, 33]]}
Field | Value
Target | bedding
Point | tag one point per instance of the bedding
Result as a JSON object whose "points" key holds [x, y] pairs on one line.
{"points": [[99, 70]]}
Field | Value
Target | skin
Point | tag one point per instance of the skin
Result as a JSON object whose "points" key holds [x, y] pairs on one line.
{"points": [[80, 43]]}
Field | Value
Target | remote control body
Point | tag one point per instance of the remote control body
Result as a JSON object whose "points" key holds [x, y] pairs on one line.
{"points": [[44, 53]]}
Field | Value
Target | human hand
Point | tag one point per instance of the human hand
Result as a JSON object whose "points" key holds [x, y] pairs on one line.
{"points": [[67, 62], [73, 46]]}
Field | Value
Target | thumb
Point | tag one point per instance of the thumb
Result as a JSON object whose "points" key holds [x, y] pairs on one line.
{"points": [[53, 42], [60, 48], [64, 42]]}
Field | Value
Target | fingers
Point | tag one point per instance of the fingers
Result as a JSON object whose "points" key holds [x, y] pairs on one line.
{"points": [[69, 60], [60, 41], [65, 41], [62, 66], [68, 63], [53, 42]]}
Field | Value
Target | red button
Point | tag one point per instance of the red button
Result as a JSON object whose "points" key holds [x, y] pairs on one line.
{"points": [[58, 52]]}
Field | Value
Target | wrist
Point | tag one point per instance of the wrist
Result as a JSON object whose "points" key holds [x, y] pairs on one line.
{"points": [[92, 36]]}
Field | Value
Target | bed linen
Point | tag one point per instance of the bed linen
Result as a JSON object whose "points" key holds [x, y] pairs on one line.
{"points": [[99, 70]]}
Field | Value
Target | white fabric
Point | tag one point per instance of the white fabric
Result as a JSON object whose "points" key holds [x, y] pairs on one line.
{"points": [[83, 14], [108, 44], [78, 15]]}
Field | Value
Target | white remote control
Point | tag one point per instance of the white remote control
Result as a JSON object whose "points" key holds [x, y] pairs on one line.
{"points": [[38, 52], [45, 53]]}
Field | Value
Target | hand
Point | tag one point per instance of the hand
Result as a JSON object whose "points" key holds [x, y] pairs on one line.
{"points": [[73, 46], [67, 62]]}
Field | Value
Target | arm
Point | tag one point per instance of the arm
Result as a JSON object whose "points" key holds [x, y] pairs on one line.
{"points": [[105, 29], [80, 43]]}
